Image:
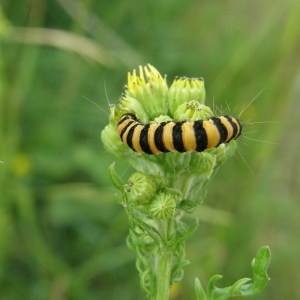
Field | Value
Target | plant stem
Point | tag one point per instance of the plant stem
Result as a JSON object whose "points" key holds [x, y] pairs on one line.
{"points": [[163, 276]]}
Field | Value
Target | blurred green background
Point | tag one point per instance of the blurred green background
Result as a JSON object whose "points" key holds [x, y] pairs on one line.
{"points": [[62, 235]]}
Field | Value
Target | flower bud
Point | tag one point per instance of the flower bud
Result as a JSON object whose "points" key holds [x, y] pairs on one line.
{"points": [[111, 140], [162, 118], [223, 151], [163, 206], [203, 163], [129, 104], [141, 187], [185, 89], [192, 110]]}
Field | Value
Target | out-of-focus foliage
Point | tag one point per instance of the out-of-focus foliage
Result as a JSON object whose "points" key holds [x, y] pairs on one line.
{"points": [[62, 62]]}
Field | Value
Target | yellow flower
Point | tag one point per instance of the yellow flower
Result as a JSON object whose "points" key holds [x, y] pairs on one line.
{"points": [[150, 89]]}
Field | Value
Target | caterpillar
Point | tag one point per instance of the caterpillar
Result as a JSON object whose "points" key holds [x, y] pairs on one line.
{"points": [[177, 136]]}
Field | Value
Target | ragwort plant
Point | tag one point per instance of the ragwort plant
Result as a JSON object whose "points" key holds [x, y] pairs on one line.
{"points": [[168, 185]]}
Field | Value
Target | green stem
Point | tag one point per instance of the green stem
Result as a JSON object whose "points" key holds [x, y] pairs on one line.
{"points": [[163, 276], [164, 261]]}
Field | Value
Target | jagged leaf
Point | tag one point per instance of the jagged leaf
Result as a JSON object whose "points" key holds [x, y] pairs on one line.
{"points": [[242, 287], [259, 266]]}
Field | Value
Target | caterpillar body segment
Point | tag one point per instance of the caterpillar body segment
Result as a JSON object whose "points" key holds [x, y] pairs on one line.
{"points": [[177, 136]]}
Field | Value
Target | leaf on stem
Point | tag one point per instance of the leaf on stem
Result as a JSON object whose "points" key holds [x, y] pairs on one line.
{"points": [[241, 287]]}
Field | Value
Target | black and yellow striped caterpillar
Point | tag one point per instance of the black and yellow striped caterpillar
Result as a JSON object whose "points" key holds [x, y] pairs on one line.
{"points": [[177, 136]]}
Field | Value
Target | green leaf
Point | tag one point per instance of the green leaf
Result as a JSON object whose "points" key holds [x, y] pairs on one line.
{"points": [[200, 293], [119, 184], [259, 266], [188, 205], [241, 287], [115, 178]]}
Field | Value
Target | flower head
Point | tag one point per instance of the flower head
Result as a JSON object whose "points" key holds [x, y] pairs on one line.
{"points": [[150, 88]]}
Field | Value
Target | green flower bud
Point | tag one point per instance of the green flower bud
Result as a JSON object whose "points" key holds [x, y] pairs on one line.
{"points": [[185, 89], [141, 188], [192, 110], [162, 118], [111, 140], [203, 163], [149, 88], [223, 151], [163, 206], [129, 104], [193, 177]]}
